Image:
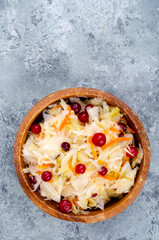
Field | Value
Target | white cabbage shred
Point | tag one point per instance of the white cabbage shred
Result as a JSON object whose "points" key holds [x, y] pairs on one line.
{"points": [[43, 152]]}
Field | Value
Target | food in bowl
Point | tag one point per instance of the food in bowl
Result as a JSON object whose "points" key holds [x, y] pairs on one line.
{"points": [[81, 154]]}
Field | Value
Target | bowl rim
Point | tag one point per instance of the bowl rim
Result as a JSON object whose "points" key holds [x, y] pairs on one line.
{"points": [[81, 92]]}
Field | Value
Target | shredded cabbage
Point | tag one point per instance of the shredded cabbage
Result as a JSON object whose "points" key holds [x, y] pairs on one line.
{"points": [[43, 152]]}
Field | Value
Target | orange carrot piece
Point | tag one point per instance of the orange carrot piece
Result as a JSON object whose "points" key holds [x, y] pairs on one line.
{"points": [[112, 129], [92, 147], [107, 145], [53, 125], [124, 120], [108, 177], [105, 131], [74, 202], [38, 135], [58, 106], [116, 175], [44, 166], [39, 172], [131, 130], [43, 135], [30, 175], [90, 200], [123, 163], [127, 159], [113, 137], [100, 162], [51, 165], [66, 119], [51, 181], [119, 139], [71, 168]]}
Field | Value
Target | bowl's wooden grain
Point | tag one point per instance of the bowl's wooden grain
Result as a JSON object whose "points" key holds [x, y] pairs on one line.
{"points": [[115, 206]]}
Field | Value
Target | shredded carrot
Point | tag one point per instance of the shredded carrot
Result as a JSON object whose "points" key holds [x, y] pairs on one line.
{"points": [[53, 125], [51, 181], [71, 168], [43, 135], [74, 202], [58, 106], [127, 159], [100, 162], [124, 120], [38, 135], [119, 139], [123, 163], [44, 166], [108, 177], [66, 119], [112, 129], [131, 130], [30, 175], [105, 131], [90, 200], [117, 175], [107, 145], [39, 172], [51, 165], [92, 147], [113, 137]]}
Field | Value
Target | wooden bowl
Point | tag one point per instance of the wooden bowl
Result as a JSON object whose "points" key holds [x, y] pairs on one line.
{"points": [[115, 206]]}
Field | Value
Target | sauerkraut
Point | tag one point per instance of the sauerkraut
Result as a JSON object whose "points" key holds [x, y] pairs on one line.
{"points": [[92, 188]]}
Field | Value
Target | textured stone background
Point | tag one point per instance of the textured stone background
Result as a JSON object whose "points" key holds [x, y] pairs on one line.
{"points": [[48, 45]]}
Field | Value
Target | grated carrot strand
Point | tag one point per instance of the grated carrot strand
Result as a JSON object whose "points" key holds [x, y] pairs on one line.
{"points": [[39, 172], [71, 168], [112, 129], [74, 202], [119, 139], [44, 166], [108, 177], [66, 119], [92, 147], [131, 130], [43, 136], [51, 181], [100, 162], [124, 120]]}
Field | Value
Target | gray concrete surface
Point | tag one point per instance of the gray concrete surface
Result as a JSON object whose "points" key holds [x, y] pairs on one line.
{"points": [[48, 45]]}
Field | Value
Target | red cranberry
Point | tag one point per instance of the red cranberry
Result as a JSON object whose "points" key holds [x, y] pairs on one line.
{"points": [[83, 117], [65, 206], [80, 168], [33, 179], [103, 171], [99, 139], [94, 194], [88, 106], [133, 151], [76, 107], [46, 176], [123, 126], [121, 134], [36, 128], [65, 146]]}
